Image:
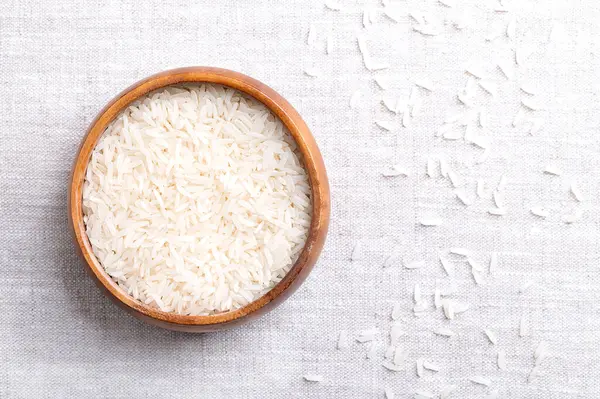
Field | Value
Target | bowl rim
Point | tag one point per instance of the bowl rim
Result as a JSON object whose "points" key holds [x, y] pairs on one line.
{"points": [[313, 163]]}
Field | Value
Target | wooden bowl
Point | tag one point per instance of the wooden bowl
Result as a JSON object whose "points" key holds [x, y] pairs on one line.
{"points": [[314, 165]]}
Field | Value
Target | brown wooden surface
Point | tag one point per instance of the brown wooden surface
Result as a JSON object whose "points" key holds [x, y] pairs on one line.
{"points": [[314, 165]]}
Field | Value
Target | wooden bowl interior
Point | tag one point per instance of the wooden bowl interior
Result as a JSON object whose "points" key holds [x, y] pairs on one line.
{"points": [[313, 163]]}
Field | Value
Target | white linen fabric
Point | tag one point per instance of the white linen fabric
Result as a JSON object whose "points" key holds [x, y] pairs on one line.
{"points": [[62, 60]]}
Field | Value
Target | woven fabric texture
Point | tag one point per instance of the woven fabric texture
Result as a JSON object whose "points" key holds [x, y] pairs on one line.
{"points": [[62, 60]]}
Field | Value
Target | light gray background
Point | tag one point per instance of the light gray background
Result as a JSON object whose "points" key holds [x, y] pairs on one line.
{"points": [[61, 61]]}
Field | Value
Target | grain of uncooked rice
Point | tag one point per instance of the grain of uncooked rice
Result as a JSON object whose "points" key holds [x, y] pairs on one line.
{"points": [[475, 265], [444, 332], [390, 103], [446, 391], [480, 141], [396, 311], [492, 395], [478, 277], [531, 103], [393, 367], [420, 367], [576, 191], [386, 125], [415, 264], [313, 72], [462, 196], [481, 380], [333, 5], [507, 68], [417, 293], [372, 352], [431, 221], [455, 179], [313, 378], [343, 341], [493, 262], [423, 395], [448, 307], [552, 170], [460, 251], [491, 336], [367, 335], [437, 298], [395, 333], [488, 86], [526, 286], [573, 217], [501, 359], [497, 211], [499, 199], [540, 211], [541, 352], [394, 171], [448, 268], [400, 357], [195, 200]]}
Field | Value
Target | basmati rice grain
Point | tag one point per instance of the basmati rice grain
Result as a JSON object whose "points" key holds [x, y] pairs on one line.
{"points": [[501, 359], [414, 265], [579, 196], [493, 394], [552, 170], [417, 293], [448, 268], [392, 367], [493, 262], [524, 326], [531, 103], [540, 211], [444, 167], [477, 277], [455, 179], [437, 298], [372, 352], [528, 88], [526, 286], [481, 188], [481, 380], [511, 28], [541, 352], [313, 378], [431, 366], [382, 82], [573, 217], [386, 125], [355, 99], [448, 3], [396, 311], [313, 72], [395, 333], [462, 196], [431, 172], [420, 367], [367, 335], [507, 68], [499, 199], [356, 252], [460, 251], [390, 103], [424, 83], [497, 211], [483, 118], [431, 221], [333, 5], [474, 265], [343, 342], [395, 171], [448, 307], [491, 336], [444, 332], [423, 395], [389, 394], [490, 87], [400, 357], [446, 391], [329, 46]]}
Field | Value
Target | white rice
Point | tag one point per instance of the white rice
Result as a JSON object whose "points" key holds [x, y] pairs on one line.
{"points": [[444, 332], [481, 380], [313, 378], [491, 336], [196, 200], [501, 359]]}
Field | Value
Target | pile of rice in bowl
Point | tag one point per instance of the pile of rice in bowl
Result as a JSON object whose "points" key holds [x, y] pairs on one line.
{"points": [[196, 200]]}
